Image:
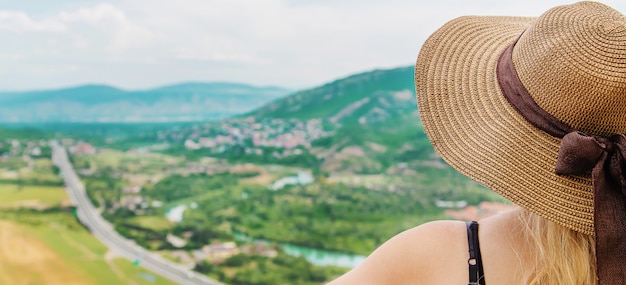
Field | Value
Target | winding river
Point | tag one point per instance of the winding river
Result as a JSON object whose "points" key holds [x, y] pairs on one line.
{"points": [[323, 257], [315, 256]]}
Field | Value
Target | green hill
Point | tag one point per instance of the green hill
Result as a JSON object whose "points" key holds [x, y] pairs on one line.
{"points": [[349, 99], [373, 116]]}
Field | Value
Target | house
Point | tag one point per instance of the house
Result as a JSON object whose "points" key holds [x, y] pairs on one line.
{"points": [[131, 202], [83, 148], [475, 213], [191, 145], [131, 189], [218, 251], [176, 241]]}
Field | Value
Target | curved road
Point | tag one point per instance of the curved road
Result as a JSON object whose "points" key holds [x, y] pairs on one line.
{"points": [[100, 228]]}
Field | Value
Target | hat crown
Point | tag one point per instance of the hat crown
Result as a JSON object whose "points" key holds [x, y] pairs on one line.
{"points": [[572, 61]]}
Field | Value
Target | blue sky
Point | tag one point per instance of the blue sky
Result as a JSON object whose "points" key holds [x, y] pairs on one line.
{"points": [[137, 44]]}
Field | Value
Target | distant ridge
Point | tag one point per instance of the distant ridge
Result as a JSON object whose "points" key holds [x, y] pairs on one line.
{"points": [[199, 86], [190, 101]]}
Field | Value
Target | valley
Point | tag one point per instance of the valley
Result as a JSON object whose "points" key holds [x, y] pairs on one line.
{"points": [[338, 168]]}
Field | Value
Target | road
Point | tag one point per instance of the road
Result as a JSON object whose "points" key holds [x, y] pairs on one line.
{"points": [[104, 231]]}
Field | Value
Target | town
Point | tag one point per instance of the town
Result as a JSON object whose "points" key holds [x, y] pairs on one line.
{"points": [[285, 136]]}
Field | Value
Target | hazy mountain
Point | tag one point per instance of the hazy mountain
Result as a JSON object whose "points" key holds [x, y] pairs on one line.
{"points": [[101, 103]]}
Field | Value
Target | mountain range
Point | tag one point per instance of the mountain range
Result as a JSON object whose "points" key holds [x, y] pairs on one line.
{"points": [[101, 103], [372, 115]]}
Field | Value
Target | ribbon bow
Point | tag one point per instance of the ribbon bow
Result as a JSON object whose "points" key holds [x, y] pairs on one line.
{"points": [[604, 157], [578, 155]]}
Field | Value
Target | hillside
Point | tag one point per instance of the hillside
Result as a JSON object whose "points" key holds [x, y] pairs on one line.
{"points": [[366, 97], [373, 118], [101, 103]]}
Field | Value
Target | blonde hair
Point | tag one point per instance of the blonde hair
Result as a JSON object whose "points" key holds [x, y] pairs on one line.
{"points": [[562, 256]]}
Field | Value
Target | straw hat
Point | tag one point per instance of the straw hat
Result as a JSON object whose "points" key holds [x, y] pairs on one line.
{"points": [[572, 61]]}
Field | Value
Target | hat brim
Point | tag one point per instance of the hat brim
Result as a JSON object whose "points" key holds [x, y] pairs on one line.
{"points": [[475, 130]]}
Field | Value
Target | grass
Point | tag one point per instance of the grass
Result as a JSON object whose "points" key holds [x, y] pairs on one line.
{"points": [[40, 172], [143, 276], [129, 162], [13, 163], [52, 249], [24, 259], [15, 195], [157, 223], [42, 165]]}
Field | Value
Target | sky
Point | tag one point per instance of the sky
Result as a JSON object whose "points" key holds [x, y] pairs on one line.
{"points": [[296, 44]]}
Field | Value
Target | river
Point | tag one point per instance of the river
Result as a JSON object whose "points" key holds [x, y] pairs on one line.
{"points": [[323, 257], [315, 256]]}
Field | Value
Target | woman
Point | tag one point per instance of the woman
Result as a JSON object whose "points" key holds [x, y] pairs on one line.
{"points": [[534, 109]]}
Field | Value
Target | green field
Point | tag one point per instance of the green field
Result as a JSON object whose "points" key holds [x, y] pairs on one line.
{"points": [[52, 248], [156, 223], [31, 196], [150, 163]]}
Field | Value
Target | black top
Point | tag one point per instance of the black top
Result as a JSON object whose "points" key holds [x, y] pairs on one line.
{"points": [[475, 261]]}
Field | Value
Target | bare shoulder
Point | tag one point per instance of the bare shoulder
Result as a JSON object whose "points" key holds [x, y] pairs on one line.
{"points": [[425, 253]]}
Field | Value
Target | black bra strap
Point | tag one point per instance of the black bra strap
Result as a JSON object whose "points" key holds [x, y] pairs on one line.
{"points": [[475, 261]]}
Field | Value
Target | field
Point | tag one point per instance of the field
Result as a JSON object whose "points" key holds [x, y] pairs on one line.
{"points": [[156, 223], [147, 163], [31, 196], [26, 260], [47, 252], [40, 248]]}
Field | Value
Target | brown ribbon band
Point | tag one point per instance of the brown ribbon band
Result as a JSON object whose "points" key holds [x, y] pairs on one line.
{"points": [[579, 154]]}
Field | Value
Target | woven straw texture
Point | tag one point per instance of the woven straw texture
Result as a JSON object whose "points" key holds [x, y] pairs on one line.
{"points": [[571, 59]]}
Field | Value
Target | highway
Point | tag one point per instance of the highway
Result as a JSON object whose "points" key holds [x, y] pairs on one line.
{"points": [[105, 232]]}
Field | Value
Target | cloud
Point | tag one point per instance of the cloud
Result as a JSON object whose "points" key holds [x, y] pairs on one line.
{"points": [[109, 22], [292, 43], [202, 55], [19, 22], [102, 24]]}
